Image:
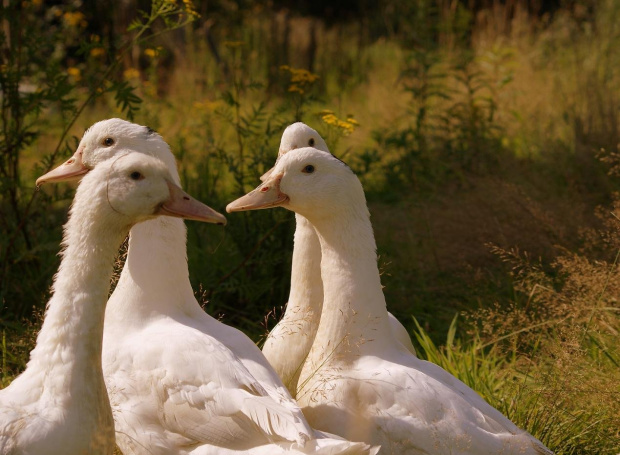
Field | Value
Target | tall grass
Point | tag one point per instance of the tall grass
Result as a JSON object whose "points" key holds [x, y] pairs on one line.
{"points": [[538, 393]]}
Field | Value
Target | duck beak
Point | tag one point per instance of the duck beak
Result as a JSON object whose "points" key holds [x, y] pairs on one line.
{"points": [[69, 170], [182, 205], [265, 196]]}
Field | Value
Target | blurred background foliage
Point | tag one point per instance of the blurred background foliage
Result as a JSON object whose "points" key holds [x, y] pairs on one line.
{"points": [[485, 132]]}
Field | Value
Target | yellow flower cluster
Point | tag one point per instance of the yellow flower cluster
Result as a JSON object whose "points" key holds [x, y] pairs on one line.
{"points": [[74, 72], [301, 79], [190, 8], [346, 126], [296, 88], [152, 53], [97, 52], [131, 73], [74, 19]]}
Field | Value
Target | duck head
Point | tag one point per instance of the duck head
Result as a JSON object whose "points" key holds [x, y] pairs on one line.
{"points": [[113, 139], [295, 136], [137, 187], [107, 139], [307, 181]]}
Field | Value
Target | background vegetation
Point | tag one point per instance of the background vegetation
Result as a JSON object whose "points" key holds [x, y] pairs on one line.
{"points": [[486, 134]]}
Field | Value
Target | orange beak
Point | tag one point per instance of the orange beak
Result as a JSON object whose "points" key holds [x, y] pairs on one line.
{"points": [[182, 205], [265, 196], [69, 170]]}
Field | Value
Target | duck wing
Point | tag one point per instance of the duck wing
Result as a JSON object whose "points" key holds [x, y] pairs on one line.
{"points": [[191, 389]]}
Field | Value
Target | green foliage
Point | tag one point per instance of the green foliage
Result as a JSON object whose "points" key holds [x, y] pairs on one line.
{"points": [[125, 97], [470, 361], [425, 23], [451, 130], [35, 82]]}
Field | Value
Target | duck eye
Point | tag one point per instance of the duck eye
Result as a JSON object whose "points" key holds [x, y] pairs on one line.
{"points": [[311, 142], [135, 175], [108, 141], [309, 169]]}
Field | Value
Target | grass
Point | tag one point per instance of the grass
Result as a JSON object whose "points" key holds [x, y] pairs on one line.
{"points": [[481, 167], [548, 402]]}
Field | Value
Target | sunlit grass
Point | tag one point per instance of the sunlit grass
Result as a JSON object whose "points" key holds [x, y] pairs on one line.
{"points": [[563, 403]]}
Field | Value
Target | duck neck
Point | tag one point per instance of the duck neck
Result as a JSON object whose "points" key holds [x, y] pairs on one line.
{"points": [[68, 349], [155, 277], [157, 258], [354, 317], [306, 296]]}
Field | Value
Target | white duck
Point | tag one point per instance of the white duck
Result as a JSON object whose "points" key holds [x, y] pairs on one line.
{"points": [[59, 404], [288, 344], [180, 381], [359, 381]]}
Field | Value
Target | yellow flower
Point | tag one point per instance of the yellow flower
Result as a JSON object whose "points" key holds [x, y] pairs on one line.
{"points": [[131, 73], [97, 52], [303, 76], [150, 52], [74, 19], [74, 72], [330, 119], [346, 127], [301, 79], [190, 8], [296, 88]]}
